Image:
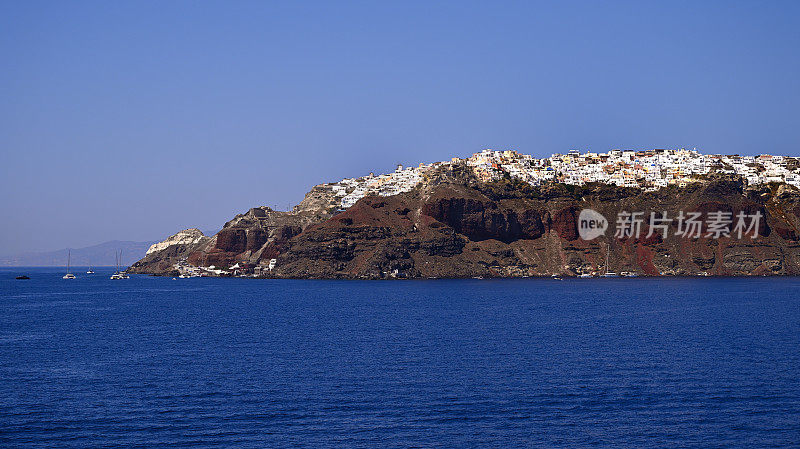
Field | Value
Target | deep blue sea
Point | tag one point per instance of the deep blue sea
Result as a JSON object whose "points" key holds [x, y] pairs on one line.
{"points": [[157, 362]]}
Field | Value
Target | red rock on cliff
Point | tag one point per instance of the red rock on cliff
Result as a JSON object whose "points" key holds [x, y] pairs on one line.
{"points": [[453, 225]]}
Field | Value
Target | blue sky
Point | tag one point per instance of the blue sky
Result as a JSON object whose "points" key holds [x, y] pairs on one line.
{"points": [[132, 120]]}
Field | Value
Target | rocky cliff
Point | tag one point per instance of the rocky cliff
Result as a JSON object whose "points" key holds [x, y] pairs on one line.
{"points": [[162, 256], [251, 238], [453, 225]]}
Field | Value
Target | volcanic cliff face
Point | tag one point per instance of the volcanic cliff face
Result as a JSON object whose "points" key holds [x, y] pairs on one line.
{"points": [[453, 225], [161, 257], [251, 238]]}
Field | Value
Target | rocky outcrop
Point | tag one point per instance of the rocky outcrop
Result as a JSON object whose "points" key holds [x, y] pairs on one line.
{"points": [[478, 220], [319, 200], [187, 237], [161, 256], [453, 225], [565, 222], [250, 238]]}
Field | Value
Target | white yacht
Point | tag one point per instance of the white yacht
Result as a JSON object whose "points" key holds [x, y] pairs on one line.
{"points": [[68, 275], [119, 274], [608, 274]]}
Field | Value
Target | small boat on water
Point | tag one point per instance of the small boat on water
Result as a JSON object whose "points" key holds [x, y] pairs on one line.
{"points": [[586, 275], [119, 274], [68, 275], [22, 277], [90, 271], [608, 274]]}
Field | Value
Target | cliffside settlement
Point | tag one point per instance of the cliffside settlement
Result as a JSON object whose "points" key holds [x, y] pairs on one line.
{"points": [[506, 214]]}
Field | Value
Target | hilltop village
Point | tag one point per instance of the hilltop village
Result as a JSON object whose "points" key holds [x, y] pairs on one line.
{"points": [[648, 170], [454, 229]]}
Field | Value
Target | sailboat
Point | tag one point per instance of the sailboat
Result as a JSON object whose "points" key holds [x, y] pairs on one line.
{"points": [[90, 271], [68, 275], [118, 274], [609, 274]]}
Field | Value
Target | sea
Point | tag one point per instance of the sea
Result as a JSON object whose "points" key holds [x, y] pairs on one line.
{"points": [[245, 363]]}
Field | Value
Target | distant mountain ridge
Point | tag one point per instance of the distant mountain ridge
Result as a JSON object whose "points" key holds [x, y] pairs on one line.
{"points": [[102, 254]]}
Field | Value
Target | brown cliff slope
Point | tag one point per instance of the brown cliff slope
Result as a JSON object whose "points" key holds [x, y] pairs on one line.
{"points": [[455, 226]]}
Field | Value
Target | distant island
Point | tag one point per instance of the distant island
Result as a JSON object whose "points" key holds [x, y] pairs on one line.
{"points": [[102, 254], [660, 212]]}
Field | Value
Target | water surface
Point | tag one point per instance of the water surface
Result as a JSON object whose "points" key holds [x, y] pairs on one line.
{"points": [[156, 362]]}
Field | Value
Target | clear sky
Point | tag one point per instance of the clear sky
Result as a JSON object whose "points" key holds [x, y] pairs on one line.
{"points": [[132, 120]]}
